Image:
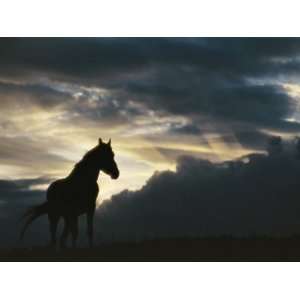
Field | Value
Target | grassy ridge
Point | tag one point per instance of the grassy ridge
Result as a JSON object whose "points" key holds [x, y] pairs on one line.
{"points": [[210, 249]]}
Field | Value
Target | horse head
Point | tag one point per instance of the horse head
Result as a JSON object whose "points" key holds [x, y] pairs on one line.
{"points": [[107, 162]]}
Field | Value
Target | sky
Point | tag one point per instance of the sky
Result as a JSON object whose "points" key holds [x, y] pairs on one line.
{"points": [[211, 100]]}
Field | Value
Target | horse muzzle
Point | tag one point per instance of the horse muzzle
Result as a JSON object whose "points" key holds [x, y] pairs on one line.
{"points": [[115, 175]]}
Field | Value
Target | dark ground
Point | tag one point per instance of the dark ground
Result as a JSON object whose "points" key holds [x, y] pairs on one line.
{"points": [[213, 249]]}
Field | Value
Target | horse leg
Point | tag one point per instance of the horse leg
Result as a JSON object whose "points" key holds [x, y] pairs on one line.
{"points": [[74, 230], [90, 227], [65, 234], [53, 220]]}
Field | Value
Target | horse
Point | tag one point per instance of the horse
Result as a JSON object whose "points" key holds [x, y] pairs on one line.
{"points": [[74, 195]]}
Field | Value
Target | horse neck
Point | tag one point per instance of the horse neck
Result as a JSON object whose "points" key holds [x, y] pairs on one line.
{"points": [[85, 171]]}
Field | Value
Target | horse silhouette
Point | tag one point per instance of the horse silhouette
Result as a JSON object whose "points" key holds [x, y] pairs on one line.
{"points": [[76, 194]]}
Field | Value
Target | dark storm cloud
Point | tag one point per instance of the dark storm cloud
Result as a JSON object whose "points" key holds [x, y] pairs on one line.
{"points": [[172, 154], [27, 93], [179, 75], [15, 193], [21, 185], [204, 199], [216, 98], [91, 57], [249, 139], [74, 57], [15, 197]]}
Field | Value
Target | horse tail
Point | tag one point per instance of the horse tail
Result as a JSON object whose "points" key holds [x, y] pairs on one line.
{"points": [[31, 214]]}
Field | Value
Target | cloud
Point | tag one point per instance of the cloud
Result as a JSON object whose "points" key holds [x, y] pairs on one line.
{"points": [[31, 94], [15, 197], [249, 139], [256, 196], [95, 57], [212, 80], [29, 157], [238, 101]]}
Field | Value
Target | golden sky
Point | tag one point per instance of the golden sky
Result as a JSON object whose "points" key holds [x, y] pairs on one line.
{"points": [[42, 141]]}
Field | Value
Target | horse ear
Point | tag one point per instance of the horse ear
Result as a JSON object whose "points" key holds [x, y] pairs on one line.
{"points": [[109, 142], [100, 141]]}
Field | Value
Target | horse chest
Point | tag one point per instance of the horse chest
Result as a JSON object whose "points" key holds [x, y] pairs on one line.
{"points": [[84, 193], [73, 196]]}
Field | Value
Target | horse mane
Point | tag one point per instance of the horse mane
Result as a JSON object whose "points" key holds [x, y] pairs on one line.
{"points": [[85, 164]]}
